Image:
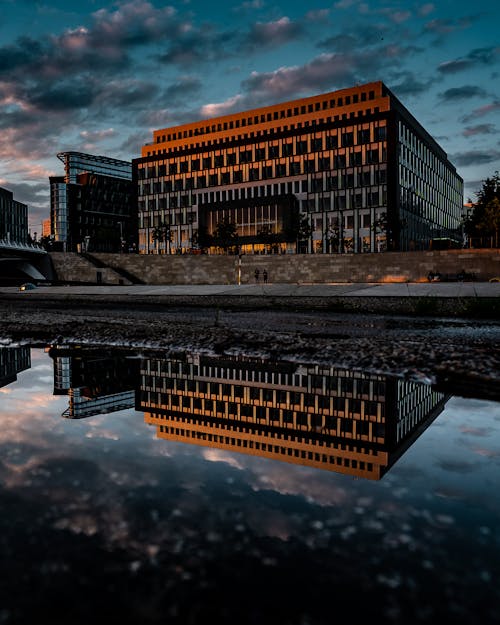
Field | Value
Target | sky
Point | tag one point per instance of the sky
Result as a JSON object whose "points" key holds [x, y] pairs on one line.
{"points": [[99, 77]]}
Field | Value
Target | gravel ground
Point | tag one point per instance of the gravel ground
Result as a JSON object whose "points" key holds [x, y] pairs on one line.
{"points": [[460, 356]]}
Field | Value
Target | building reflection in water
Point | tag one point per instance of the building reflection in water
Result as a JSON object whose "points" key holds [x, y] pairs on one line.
{"points": [[351, 422], [345, 421], [95, 383], [13, 360]]}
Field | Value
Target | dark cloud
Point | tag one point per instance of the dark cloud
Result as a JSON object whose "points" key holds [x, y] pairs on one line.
{"points": [[196, 46], [30, 193], [478, 56], [446, 26], [480, 129], [409, 85], [475, 157], [64, 95], [462, 93]]}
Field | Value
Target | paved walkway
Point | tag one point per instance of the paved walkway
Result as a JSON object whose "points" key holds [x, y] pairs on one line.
{"points": [[435, 289]]}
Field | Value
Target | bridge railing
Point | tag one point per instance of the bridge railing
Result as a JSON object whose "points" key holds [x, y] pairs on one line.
{"points": [[21, 247]]}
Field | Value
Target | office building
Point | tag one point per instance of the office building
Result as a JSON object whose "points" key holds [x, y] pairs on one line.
{"points": [[347, 171], [92, 206], [13, 219]]}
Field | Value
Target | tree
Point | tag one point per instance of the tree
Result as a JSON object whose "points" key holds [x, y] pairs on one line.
{"points": [[298, 229], [269, 238], [225, 235], [162, 234], [485, 216], [390, 228]]}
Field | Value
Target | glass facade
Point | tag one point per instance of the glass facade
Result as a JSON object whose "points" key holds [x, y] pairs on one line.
{"points": [[93, 204], [329, 161], [13, 219]]}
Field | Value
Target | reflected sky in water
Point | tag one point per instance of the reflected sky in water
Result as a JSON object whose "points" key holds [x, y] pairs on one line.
{"points": [[102, 506]]}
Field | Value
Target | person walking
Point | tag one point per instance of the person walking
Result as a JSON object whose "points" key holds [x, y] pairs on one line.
{"points": [[264, 274], [257, 274]]}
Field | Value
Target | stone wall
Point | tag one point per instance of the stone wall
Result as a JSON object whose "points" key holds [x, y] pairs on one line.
{"points": [[289, 268]]}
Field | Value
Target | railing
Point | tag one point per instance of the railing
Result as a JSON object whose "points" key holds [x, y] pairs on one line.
{"points": [[21, 247]]}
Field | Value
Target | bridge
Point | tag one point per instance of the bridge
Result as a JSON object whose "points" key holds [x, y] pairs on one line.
{"points": [[22, 262]]}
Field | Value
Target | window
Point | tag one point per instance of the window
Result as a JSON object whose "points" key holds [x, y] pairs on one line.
{"points": [[339, 161], [260, 154], [281, 170], [172, 168], [309, 166], [287, 149], [238, 176], [301, 147], [347, 139], [317, 185], [225, 178], [294, 169], [212, 180], [184, 167], [267, 171], [324, 164], [355, 159], [219, 161], [245, 156], [178, 186], [254, 173], [231, 159], [332, 142], [372, 156], [364, 136], [201, 182], [316, 145], [274, 151]]}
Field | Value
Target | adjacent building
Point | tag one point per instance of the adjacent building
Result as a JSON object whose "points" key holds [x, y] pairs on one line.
{"points": [[93, 206], [13, 219], [13, 360], [347, 171]]}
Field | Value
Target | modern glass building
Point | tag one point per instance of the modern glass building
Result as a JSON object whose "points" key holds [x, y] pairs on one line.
{"points": [[347, 171], [92, 206], [13, 218]]}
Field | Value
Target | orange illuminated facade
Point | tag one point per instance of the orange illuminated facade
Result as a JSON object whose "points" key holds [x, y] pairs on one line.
{"points": [[350, 171]]}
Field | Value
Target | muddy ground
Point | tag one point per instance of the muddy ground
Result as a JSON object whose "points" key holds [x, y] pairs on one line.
{"points": [[458, 355]]}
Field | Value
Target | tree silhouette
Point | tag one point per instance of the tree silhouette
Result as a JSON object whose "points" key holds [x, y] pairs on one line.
{"points": [[225, 235], [162, 233], [485, 216]]}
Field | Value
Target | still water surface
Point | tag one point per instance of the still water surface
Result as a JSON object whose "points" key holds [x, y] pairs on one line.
{"points": [[155, 488]]}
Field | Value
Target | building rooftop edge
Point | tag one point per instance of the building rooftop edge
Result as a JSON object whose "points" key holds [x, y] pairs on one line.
{"points": [[276, 105]]}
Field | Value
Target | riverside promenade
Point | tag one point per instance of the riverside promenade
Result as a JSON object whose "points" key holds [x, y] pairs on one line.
{"points": [[332, 290], [449, 299]]}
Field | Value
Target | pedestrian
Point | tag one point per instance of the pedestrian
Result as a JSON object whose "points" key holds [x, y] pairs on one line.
{"points": [[257, 274], [264, 273]]}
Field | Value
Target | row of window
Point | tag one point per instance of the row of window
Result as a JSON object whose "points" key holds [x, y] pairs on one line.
{"points": [[250, 155], [267, 117]]}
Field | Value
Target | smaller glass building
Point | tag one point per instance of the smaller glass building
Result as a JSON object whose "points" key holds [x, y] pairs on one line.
{"points": [[93, 206]]}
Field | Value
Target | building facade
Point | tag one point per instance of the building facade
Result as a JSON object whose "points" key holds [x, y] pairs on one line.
{"points": [[93, 205], [347, 171], [13, 219]]}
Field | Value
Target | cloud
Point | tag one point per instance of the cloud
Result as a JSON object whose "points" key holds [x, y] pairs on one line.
{"points": [[462, 93], [480, 129], [222, 108], [251, 5], [410, 85], [492, 107], [446, 26], [475, 157], [317, 15], [425, 9], [478, 56], [272, 34], [97, 135]]}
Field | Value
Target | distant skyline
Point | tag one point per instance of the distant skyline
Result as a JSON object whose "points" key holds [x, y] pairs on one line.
{"points": [[99, 77]]}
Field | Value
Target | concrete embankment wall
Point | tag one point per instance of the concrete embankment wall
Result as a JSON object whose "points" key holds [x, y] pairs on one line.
{"points": [[288, 269]]}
